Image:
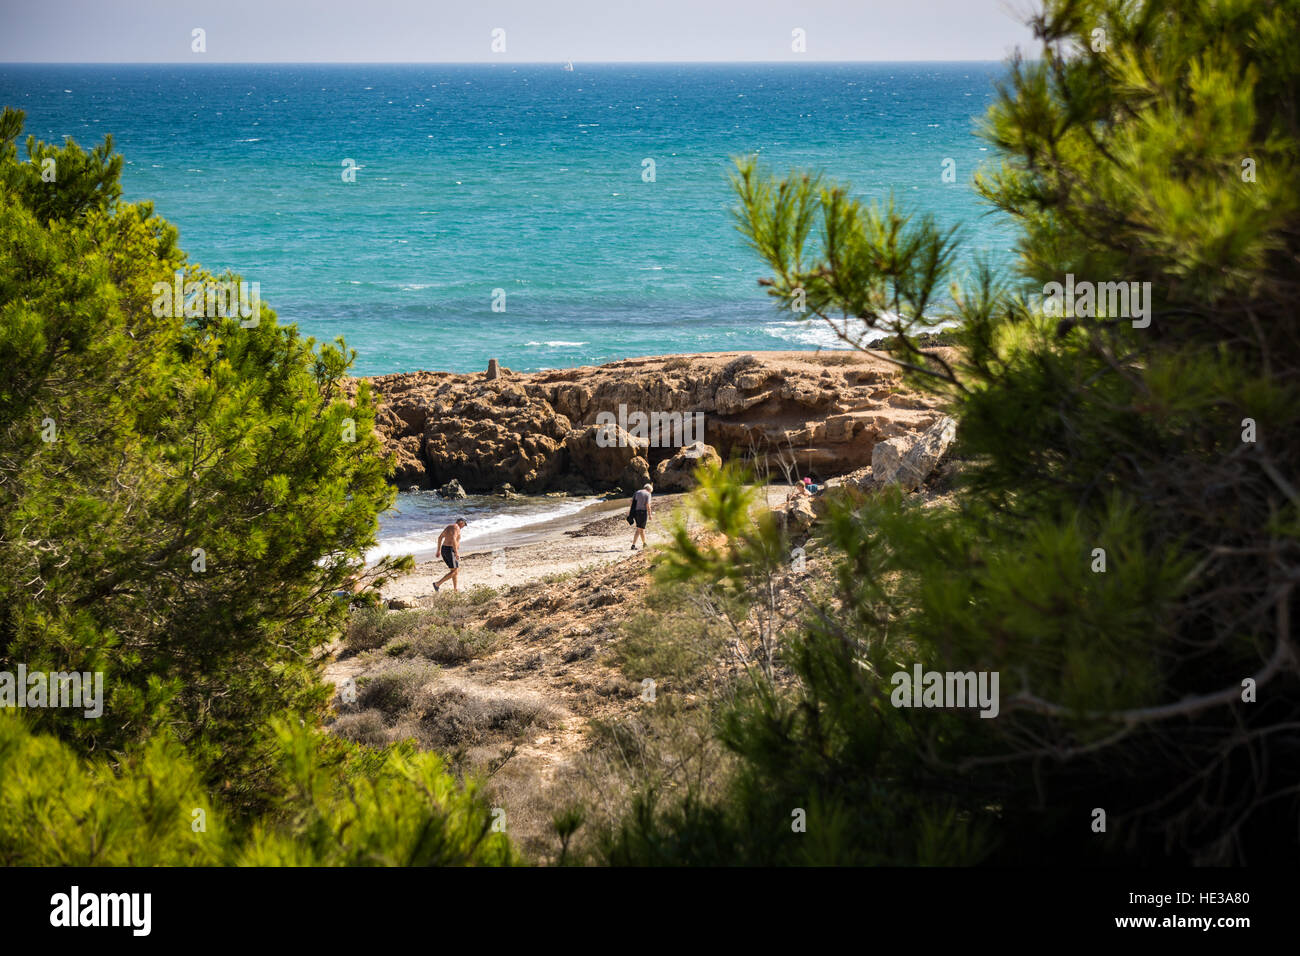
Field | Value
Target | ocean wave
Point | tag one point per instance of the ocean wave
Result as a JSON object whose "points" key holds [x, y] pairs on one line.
{"points": [[812, 332], [817, 332], [556, 344], [478, 527]]}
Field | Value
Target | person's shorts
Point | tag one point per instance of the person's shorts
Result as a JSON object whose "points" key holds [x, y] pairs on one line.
{"points": [[449, 556], [640, 518]]}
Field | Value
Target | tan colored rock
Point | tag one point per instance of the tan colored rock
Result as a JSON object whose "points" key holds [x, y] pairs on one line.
{"points": [[678, 472], [925, 455], [388, 424], [795, 518], [901, 400], [808, 394], [841, 427], [413, 415], [821, 504], [635, 475], [601, 453], [800, 515], [511, 396], [408, 472], [517, 428], [571, 401], [886, 456], [756, 378]]}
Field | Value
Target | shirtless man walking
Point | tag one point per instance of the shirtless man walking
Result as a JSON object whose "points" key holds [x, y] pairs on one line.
{"points": [[449, 546]]}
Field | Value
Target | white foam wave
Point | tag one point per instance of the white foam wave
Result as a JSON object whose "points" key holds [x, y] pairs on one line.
{"points": [[806, 333], [477, 528], [819, 333]]}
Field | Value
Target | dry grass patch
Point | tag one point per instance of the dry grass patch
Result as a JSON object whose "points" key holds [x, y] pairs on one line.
{"points": [[458, 717], [392, 691], [444, 644], [365, 727]]}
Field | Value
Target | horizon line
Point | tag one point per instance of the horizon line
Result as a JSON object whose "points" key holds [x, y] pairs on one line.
{"points": [[790, 62]]}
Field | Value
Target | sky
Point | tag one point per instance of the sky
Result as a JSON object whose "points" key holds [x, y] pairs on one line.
{"points": [[535, 31]]}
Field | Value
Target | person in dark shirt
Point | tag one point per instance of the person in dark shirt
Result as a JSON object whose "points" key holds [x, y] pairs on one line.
{"points": [[640, 513]]}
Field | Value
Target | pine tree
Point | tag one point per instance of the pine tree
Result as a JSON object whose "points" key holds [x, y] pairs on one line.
{"points": [[180, 495], [1124, 550], [342, 806]]}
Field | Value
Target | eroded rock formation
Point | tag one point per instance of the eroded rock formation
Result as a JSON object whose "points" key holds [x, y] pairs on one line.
{"points": [[819, 414]]}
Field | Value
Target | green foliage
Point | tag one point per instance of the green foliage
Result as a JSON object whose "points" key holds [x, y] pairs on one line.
{"points": [[1120, 688], [373, 627], [180, 497], [407, 812], [341, 808], [77, 181], [724, 498], [59, 809], [565, 824], [394, 690], [876, 268], [674, 641]]}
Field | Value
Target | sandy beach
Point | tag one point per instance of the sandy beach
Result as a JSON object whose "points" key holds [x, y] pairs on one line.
{"points": [[598, 534]]}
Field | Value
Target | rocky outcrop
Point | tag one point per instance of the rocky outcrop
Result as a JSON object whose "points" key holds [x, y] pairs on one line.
{"points": [[796, 517], [408, 467], [601, 453], [635, 475], [886, 457], [678, 472], [452, 489], [923, 457], [907, 464], [818, 414]]}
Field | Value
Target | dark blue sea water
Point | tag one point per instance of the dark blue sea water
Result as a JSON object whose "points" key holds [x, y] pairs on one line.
{"points": [[525, 179]]}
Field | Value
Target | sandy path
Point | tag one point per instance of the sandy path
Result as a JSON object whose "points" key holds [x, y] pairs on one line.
{"points": [[497, 561]]}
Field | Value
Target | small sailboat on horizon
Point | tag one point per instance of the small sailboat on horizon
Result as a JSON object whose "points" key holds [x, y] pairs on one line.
{"points": [[568, 66]]}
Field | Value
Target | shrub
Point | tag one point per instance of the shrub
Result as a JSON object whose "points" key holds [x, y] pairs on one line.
{"points": [[394, 690], [452, 645], [370, 628], [452, 718], [367, 727], [738, 365]]}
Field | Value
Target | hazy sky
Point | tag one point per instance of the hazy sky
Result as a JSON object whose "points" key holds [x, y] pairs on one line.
{"points": [[121, 31]]}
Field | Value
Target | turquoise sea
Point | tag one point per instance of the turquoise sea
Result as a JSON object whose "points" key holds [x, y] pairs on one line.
{"points": [[525, 179]]}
